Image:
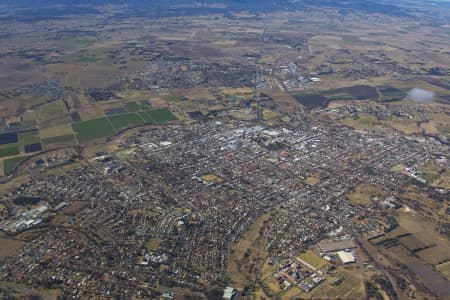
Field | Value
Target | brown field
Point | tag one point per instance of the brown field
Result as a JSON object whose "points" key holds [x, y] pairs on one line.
{"points": [[397, 232], [312, 180], [351, 288], [20, 71], [241, 267], [435, 255], [313, 259], [398, 168], [74, 207], [61, 130], [153, 244], [423, 229], [429, 127], [365, 122], [365, 194], [9, 246], [444, 269], [412, 195], [292, 293], [412, 243]]}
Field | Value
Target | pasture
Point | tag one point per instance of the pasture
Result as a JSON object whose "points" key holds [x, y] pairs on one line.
{"points": [[29, 137], [9, 151], [132, 107], [10, 163], [93, 129], [161, 115], [123, 121]]}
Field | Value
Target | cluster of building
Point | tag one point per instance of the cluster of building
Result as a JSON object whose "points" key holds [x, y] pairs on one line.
{"points": [[24, 220], [197, 189], [289, 77], [179, 72], [298, 272]]}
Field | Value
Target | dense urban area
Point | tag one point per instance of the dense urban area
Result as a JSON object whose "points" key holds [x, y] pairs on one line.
{"points": [[219, 152]]}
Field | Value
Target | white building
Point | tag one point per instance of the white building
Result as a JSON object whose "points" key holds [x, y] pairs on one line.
{"points": [[346, 257], [229, 293]]}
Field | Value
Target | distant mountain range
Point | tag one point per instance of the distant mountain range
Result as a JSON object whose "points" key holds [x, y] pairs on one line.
{"points": [[64, 7]]}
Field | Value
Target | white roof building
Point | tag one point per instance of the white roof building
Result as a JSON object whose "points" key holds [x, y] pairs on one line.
{"points": [[228, 293], [346, 257]]}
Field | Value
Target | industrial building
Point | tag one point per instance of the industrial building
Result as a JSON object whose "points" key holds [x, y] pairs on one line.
{"points": [[346, 257], [328, 246]]}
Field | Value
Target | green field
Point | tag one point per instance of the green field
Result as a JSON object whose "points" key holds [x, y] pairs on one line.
{"points": [[10, 163], [391, 93], [84, 56], [93, 129], [161, 115], [50, 110], [29, 137], [9, 151], [147, 117], [70, 43], [132, 107], [71, 134], [58, 141], [126, 120], [29, 118]]}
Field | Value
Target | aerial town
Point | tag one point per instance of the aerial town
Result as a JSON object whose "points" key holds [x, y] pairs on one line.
{"points": [[165, 206], [217, 151]]}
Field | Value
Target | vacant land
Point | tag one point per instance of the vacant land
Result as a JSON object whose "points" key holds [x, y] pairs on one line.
{"points": [[60, 130], [312, 259], [412, 243], [444, 269], [247, 256], [365, 194], [152, 244], [352, 287], [366, 122], [59, 141], [312, 180], [211, 178], [435, 255], [430, 172], [398, 168], [9, 246]]}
